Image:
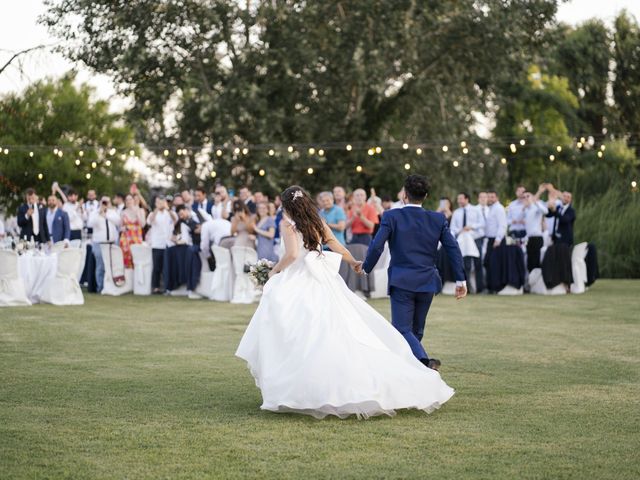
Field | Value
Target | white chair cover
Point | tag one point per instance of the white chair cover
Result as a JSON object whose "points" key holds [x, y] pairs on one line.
{"points": [[467, 245], [222, 282], [509, 290], [58, 247], [142, 268], [380, 274], [579, 268], [448, 288], [75, 243], [110, 288], [537, 286], [244, 291], [83, 250], [64, 289], [12, 290]]}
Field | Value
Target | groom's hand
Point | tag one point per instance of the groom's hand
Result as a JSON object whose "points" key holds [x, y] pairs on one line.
{"points": [[461, 292], [357, 267]]}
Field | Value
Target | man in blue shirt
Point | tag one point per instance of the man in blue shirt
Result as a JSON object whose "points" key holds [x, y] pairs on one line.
{"points": [[333, 215]]}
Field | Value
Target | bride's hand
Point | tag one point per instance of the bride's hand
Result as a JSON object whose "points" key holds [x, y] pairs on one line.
{"points": [[357, 267], [272, 273]]}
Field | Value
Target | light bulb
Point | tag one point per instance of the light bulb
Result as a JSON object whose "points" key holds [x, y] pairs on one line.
{"points": [[271, 152], [522, 142], [311, 150], [418, 151], [407, 166], [371, 151], [558, 149], [77, 161], [219, 152], [445, 148], [290, 149], [456, 163], [349, 148], [552, 157], [503, 161], [40, 176], [262, 172], [463, 144], [108, 163], [31, 154], [359, 168], [465, 150], [310, 171], [213, 174], [405, 146], [378, 149], [321, 152], [88, 176], [166, 153], [513, 148], [245, 151], [178, 175]]}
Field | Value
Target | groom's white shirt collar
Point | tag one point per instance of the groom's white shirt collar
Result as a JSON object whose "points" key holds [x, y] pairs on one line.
{"points": [[412, 205]]}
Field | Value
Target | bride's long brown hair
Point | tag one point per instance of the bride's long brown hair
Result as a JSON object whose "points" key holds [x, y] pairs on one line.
{"points": [[299, 206]]}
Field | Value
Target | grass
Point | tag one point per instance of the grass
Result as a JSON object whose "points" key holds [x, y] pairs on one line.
{"points": [[149, 388]]}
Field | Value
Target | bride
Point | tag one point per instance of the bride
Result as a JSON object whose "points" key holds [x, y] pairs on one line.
{"points": [[316, 348]]}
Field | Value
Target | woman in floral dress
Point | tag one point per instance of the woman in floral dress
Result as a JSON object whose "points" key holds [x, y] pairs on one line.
{"points": [[133, 222]]}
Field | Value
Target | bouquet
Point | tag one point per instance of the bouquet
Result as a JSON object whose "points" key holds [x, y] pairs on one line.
{"points": [[259, 272]]}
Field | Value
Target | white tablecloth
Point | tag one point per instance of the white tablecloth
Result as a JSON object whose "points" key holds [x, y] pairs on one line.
{"points": [[35, 270]]}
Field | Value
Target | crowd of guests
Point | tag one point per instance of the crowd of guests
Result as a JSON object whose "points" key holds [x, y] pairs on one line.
{"points": [[197, 219]]}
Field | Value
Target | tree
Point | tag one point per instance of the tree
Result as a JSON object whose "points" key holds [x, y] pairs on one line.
{"points": [[264, 72], [58, 114], [626, 87]]}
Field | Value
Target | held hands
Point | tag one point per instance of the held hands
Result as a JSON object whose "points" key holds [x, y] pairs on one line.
{"points": [[461, 292], [357, 267]]}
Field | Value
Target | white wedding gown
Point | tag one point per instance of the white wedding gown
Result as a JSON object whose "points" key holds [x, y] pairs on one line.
{"points": [[316, 348]]}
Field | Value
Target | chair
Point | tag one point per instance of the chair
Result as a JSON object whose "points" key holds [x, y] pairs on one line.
{"points": [[221, 287], [509, 290], [117, 263], [244, 291], [380, 275], [75, 243], [58, 247], [12, 290], [537, 286], [142, 268], [64, 289], [579, 268], [83, 250]]}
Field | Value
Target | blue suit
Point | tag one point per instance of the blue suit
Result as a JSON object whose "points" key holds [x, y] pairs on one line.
{"points": [[413, 235], [208, 206], [60, 229]]}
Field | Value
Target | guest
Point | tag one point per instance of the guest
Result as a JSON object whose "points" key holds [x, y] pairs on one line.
{"points": [[534, 212], [272, 210], [245, 196], [515, 215], [467, 218], [89, 206], [564, 216], [56, 224], [242, 224], [187, 232], [223, 206], [445, 207], [340, 197], [132, 222], [161, 221], [361, 218], [30, 216], [188, 198], [211, 232], [387, 203], [259, 197], [119, 202], [482, 206], [399, 203], [177, 202], [334, 216], [104, 224], [265, 229], [202, 203], [495, 228], [73, 208]]}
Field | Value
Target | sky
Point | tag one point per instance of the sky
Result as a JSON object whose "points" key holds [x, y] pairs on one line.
{"points": [[20, 31]]}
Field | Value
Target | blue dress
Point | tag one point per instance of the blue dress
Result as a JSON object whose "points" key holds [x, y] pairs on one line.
{"points": [[266, 245]]}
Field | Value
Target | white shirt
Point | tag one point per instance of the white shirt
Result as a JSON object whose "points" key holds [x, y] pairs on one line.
{"points": [[515, 213], [211, 232], [533, 215], [474, 221], [75, 217], [216, 210], [551, 220], [2, 230], [496, 224], [51, 214], [99, 225], [35, 219], [397, 204], [90, 206], [161, 229]]}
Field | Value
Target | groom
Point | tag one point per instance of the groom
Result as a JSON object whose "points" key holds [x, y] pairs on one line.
{"points": [[413, 235]]}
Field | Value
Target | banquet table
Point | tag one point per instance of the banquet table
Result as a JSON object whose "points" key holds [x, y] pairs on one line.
{"points": [[35, 270]]}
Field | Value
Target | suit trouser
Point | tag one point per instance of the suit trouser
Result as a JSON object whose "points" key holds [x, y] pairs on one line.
{"points": [[409, 314], [534, 245], [158, 263]]}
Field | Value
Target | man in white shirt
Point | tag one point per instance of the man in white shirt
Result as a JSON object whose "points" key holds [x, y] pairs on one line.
{"points": [[73, 209], [222, 207], [468, 218], [90, 205], [211, 232], [534, 213], [515, 215], [104, 224], [495, 229], [161, 221]]}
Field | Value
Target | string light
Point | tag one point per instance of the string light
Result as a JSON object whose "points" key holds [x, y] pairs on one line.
{"points": [[465, 150], [87, 176], [321, 152], [445, 149], [405, 146], [77, 161], [513, 148], [31, 154], [112, 151], [583, 140], [371, 151], [108, 163], [463, 144], [552, 157], [131, 153], [236, 150], [6, 151], [94, 164], [81, 153], [245, 150], [503, 161], [378, 150], [522, 142], [558, 149], [262, 172], [290, 149], [123, 157], [311, 150], [178, 175], [219, 152], [407, 166], [349, 148], [418, 151], [634, 184], [40, 176], [579, 144], [600, 154], [213, 174], [603, 148], [166, 153], [456, 163], [60, 153], [272, 152], [310, 171], [55, 151], [359, 168]]}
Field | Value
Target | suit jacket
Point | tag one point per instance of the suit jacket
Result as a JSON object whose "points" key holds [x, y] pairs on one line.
{"points": [[563, 232], [26, 224], [208, 206], [60, 230], [413, 235]]}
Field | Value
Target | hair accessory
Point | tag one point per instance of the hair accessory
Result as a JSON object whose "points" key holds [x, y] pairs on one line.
{"points": [[297, 194]]}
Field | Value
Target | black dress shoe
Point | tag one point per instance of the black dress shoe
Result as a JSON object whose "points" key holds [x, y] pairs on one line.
{"points": [[434, 364]]}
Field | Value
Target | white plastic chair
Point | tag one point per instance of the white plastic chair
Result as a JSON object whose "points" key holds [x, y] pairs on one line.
{"points": [[109, 287], [244, 291], [537, 286], [64, 289], [380, 275], [12, 290], [221, 286], [142, 268], [579, 268]]}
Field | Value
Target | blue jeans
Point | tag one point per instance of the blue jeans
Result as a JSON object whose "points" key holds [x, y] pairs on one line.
{"points": [[97, 255]]}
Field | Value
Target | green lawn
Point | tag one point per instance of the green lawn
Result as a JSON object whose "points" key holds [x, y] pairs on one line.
{"points": [[137, 387]]}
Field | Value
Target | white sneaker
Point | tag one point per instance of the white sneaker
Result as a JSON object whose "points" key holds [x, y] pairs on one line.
{"points": [[193, 295]]}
